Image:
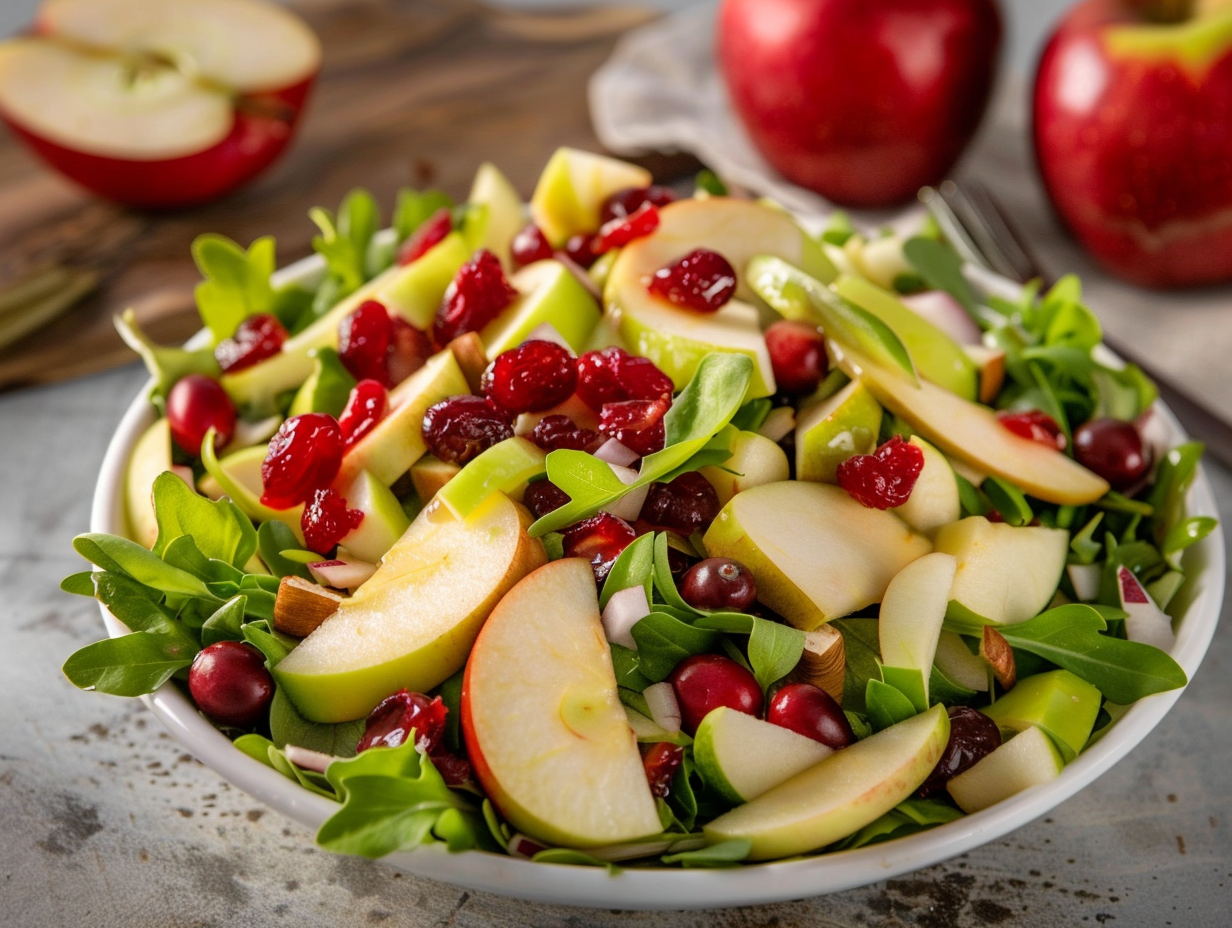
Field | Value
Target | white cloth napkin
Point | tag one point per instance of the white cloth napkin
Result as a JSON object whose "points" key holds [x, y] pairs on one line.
{"points": [[660, 91]]}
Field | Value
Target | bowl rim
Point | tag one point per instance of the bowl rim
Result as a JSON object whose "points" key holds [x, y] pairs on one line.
{"points": [[637, 888]]}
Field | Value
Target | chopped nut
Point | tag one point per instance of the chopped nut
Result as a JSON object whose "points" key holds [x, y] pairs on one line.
{"points": [[996, 650], [468, 351], [302, 605], [823, 662]]}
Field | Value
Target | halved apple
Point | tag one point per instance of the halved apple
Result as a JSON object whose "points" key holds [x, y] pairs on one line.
{"points": [[841, 793], [816, 553], [413, 622], [162, 104], [544, 728]]}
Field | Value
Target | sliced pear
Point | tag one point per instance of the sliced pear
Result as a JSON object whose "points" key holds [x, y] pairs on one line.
{"points": [[551, 295], [742, 756], [815, 552], [429, 474], [506, 467], [412, 624], [880, 260], [151, 455], [754, 460], [909, 622], [1057, 702], [841, 793], [832, 430], [934, 499], [1027, 759], [504, 215], [573, 186], [1006, 573], [544, 727]]}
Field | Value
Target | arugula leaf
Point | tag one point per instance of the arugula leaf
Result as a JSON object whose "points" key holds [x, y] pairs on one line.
{"points": [[863, 651], [1009, 501], [131, 665], [723, 854], [564, 855], [908, 817], [274, 645], [226, 623], [273, 538], [664, 641], [664, 582], [287, 726], [941, 268], [218, 528], [633, 567], [345, 239], [237, 282], [119, 555], [774, 648], [165, 364], [79, 584], [414, 208]]}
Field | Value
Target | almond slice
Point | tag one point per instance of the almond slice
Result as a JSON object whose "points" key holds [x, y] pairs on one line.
{"points": [[1000, 656], [823, 662], [302, 605]]}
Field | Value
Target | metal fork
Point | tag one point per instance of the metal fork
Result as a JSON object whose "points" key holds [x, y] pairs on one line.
{"points": [[974, 222]]}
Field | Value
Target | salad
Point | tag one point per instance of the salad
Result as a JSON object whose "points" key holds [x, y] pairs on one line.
{"points": [[625, 526]]}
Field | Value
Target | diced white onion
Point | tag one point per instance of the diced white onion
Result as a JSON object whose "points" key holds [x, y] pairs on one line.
{"points": [[664, 707], [779, 424], [947, 314], [1086, 579], [624, 610], [341, 573], [308, 759], [629, 506], [246, 434], [613, 452]]}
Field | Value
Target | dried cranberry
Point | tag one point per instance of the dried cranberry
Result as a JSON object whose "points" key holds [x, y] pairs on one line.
{"points": [[476, 295], [364, 409], [530, 245], [391, 722], [636, 424], [973, 736], [556, 432], [364, 337], [686, 505], [612, 374], [429, 234], [629, 200], [661, 763], [702, 281], [454, 770], [719, 583], [703, 682], [617, 233], [542, 497], [229, 682], [258, 337], [1036, 425], [580, 249], [326, 520], [885, 478], [534, 376], [195, 405], [304, 455], [462, 427], [409, 349], [1112, 449], [797, 356], [599, 540]]}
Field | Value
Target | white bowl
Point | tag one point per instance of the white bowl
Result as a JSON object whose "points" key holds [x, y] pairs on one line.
{"points": [[664, 888]]}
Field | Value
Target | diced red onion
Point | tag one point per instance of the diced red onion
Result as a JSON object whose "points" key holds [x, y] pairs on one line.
{"points": [[625, 609], [947, 314], [1144, 621], [341, 573], [664, 707]]}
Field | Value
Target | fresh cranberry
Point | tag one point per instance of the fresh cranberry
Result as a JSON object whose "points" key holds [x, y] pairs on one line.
{"points": [[462, 427], [580, 249], [364, 409], [686, 505], [229, 683], [1112, 449], [364, 337], [326, 520], [409, 349], [599, 540], [1036, 425], [532, 377], [797, 356], [719, 583], [195, 405], [703, 682], [702, 281], [973, 736], [611, 375], [476, 295], [636, 424], [885, 478], [629, 200], [431, 232], [617, 233], [661, 763], [530, 245], [542, 497], [258, 337], [391, 722], [304, 455], [810, 711], [552, 433]]}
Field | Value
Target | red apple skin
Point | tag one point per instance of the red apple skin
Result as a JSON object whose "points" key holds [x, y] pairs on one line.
{"points": [[264, 125], [1136, 155], [863, 102]]}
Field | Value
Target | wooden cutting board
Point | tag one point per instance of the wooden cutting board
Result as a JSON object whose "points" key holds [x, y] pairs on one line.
{"points": [[417, 92]]}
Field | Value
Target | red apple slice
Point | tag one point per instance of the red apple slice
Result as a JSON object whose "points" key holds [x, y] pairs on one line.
{"points": [[544, 728], [158, 105]]}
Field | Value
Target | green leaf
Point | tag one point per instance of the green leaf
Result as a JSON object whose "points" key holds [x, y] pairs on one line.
{"points": [[287, 726], [723, 854], [273, 538], [941, 268], [634, 567], [132, 665], [237, 282], [664, 582], [886, 705], [907, 818], [1176, 473], [165, 364], [863, 652], [564, 855], [345, 240], [664, 641], [1008, 500], [628, 668], [1187, 532], [226, 623], [134, 604], [1083, 543], [273, 645], [79, 584], [708, 182], [774, 648], [413, 209], [119, 555], [255, 746], [751, 415], [910, 682], [451, 695]]}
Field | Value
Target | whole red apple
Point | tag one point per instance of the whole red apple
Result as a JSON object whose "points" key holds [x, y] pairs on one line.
{"points": [[1133, 136], [161, 104], [861, 101]]}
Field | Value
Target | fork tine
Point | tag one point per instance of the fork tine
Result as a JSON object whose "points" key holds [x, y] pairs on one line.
{"points": [[952, 227]]}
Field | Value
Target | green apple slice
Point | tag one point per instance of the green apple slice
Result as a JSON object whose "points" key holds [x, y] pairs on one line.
{"points": [[573, 186], [841, 793], [830, 431], [506, 467], [549, 294], [384, 519], [934, 500], [545, 730], [957, 662], [815, 552], [1006, 573], [416, 293], [327, 389], [742, 756], [880, 260], [936, 356], [1027, 759], [412, 624], [151, 455], [388, 451], [503, 213], [909, 622], [1058, 702], [238, 476], [754, 460], [429, 474]]}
